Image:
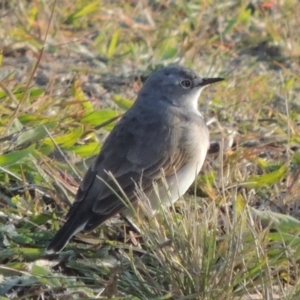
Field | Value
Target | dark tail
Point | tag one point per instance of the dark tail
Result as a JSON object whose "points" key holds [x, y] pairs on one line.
{"points": [[64, 234]]}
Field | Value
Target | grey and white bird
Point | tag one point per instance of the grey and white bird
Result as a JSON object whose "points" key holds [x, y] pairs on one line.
{"points": [[162, 135]]}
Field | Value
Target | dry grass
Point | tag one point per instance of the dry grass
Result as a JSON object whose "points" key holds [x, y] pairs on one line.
{"points": [[70, 68]]}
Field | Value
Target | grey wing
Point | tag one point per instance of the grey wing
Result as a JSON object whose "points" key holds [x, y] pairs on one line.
{"points": [[131, 158]]}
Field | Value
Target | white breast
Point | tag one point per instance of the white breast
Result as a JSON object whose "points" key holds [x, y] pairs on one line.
{"points": [[175, 186]]}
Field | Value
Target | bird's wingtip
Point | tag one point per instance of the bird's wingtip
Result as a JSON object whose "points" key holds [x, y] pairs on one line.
{"points": [[49, 251], [63, 236]]}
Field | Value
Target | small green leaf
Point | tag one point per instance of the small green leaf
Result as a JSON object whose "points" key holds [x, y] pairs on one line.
{"points": [[296, 158], [99, 117], [32, 253], [266, 179], [79, 95], [288, 85], [47, 147], [123, 103], [40, 219], [68, 140], [16, 156], [244, 15], [284, 223], [170, 53], [35, 119], [84, 11], [230, 26], [262, 162], [39, 271], [86, 150], [240, 205], [113, 44], [34, 93], [35, 134]]}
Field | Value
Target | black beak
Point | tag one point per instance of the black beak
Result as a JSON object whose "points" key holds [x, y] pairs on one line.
{"points": [[206, 81]]}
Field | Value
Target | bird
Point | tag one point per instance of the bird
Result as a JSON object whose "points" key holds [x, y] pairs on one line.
{"points": [[161, 140]]}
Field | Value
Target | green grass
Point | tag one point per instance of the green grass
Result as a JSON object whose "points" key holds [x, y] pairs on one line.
{"points": [[70, 69]]}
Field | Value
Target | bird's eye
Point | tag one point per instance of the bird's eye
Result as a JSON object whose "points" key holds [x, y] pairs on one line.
{"points": [[186, 84]]}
